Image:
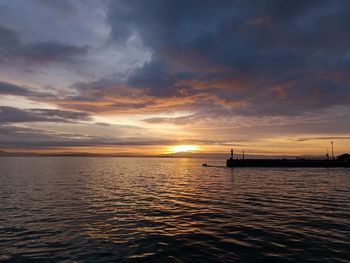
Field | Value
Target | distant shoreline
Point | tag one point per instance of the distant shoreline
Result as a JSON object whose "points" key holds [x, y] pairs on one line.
{"points": [[218, 156], [99, 156], [82, 155]]}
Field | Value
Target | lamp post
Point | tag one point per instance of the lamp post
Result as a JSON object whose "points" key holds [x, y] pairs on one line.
{"points": [[332, 151]]}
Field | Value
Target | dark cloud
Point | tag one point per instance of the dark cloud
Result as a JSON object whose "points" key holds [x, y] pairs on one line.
{"points": [[322, 138], [12, 50], [219, 31], [213, 57], [154, 78], [15, 90], [337, 127], [8, 38], [13, 136], [50, 52], [64, 7], [175, 120], [14, 115], [11, 89], [277, 52]]}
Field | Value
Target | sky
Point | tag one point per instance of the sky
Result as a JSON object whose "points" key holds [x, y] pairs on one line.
{"points": [[136, 77]]}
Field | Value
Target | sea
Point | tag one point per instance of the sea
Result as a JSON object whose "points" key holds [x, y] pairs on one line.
{"points": [[94, 209]]}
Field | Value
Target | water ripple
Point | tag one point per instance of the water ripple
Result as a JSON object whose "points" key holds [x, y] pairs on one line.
{"points": [[170, 210]]}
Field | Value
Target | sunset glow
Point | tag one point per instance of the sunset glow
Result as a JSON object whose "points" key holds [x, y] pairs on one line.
{"points": [[97, 83], [183, 148]]}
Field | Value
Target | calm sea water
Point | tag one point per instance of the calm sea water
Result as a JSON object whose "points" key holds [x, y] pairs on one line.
{"points": [[170, 210]]}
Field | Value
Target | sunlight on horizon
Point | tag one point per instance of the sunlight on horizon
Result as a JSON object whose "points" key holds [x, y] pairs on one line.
{"points": [[183, 148]]}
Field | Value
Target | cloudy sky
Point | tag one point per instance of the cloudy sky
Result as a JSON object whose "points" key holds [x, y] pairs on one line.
{"points": [[140, 77]]}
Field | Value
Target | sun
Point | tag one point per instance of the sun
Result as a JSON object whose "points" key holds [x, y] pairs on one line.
{"points": [[183, 148]]}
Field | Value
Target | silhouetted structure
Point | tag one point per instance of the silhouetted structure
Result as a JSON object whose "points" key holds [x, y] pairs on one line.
{"points": [[341, 161], [344, 157]]}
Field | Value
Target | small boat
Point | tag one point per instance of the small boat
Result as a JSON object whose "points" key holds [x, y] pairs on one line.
{"points": [[204, 164]]}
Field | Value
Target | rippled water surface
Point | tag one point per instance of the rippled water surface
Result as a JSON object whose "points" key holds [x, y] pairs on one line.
{"points": [[170, 210]]}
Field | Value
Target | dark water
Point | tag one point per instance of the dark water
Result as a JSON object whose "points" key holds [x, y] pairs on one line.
{"points": [[170, 210]]}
